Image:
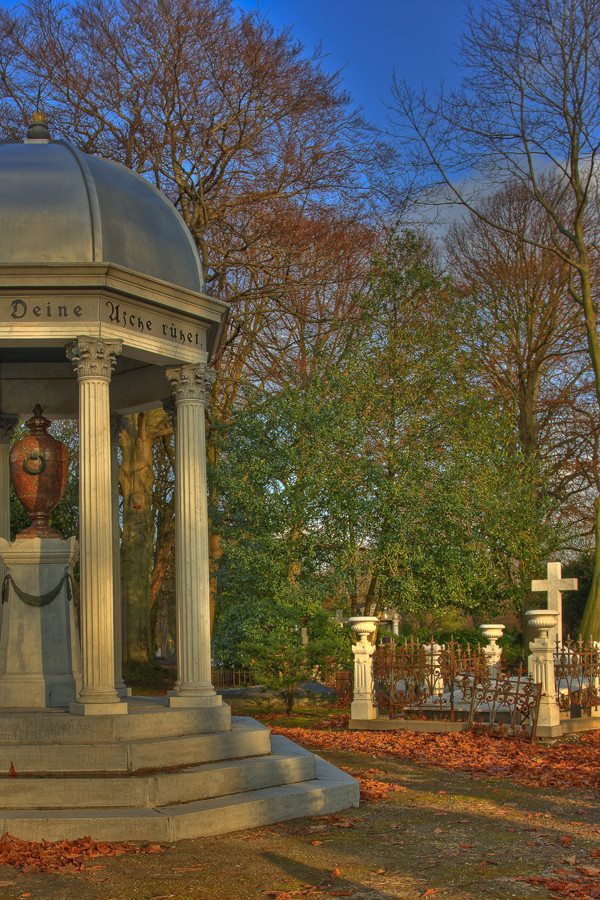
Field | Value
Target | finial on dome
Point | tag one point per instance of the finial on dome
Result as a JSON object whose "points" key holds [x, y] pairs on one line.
{"points": [[38, 128]]}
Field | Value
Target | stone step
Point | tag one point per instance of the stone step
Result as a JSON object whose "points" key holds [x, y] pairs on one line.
{"points": [[330, 791], [246, 738], [290, 765], [147, 717]]}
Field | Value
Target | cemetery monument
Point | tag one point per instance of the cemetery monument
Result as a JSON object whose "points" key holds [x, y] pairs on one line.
{"points": [[103, 312]]}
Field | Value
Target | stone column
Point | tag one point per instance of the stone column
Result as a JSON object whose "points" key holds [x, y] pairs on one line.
{"points": [[363, 704], [94, 361], [434, 683], [493, 652], [7, 427], [191, 389], [117, 424], [540, 665]]}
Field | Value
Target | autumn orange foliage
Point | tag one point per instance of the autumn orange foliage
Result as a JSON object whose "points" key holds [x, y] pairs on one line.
{"points": [[561, 765], [68, 856]]}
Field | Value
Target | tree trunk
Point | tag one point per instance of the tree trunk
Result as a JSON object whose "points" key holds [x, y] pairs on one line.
{"points": [[136, 479], [590, 622]]}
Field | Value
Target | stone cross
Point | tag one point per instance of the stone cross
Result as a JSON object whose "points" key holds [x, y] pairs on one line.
{"points": [[553, 585]]}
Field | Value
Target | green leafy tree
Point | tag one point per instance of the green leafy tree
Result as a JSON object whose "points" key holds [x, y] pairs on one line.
{"points": [[389, 479], [528, 111]]}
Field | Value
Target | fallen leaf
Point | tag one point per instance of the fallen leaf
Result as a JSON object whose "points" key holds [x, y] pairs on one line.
{"points": [[591, 871], [316, 843], [335, 874]]}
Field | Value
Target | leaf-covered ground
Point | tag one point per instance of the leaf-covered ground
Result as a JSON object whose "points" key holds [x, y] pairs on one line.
{"points": [[453, 817], [567, 764]]}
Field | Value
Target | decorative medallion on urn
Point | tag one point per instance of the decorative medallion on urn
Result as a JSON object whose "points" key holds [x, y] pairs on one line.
{"points": [[38, 469]]}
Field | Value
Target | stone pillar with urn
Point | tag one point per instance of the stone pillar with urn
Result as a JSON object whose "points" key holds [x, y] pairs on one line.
{"points": [[363, 704], [94, 361], [39, 644], [540, 664], [191, 389], [493, 652]]}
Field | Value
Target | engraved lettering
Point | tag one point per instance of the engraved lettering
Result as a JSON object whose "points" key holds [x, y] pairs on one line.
{"points": [[62, 312], [189, 337], [113, 311], [173, 332], [18, 309], [148, 325], [37, 311], [77, 311], [48, 312], [164, 330]]}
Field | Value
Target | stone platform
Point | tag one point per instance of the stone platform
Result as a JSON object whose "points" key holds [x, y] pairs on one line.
{"points": [[158, 774]]}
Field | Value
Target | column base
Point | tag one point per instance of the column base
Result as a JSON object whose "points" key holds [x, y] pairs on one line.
{"points": [[363, 709], [108, 708], [549, 714], [123, 691], [194, 700]]}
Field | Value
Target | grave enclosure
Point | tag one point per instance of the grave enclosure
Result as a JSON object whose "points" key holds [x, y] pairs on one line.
{"points": [[103, 312], [429, 687]]}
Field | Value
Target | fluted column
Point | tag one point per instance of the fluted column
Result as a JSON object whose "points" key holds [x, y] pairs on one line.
{"points": [[7, 427], [117, 424], [191, 388], [94, 362]]}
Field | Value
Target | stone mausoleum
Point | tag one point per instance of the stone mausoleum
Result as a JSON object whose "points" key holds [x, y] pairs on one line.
{"points": [[103, 312]]}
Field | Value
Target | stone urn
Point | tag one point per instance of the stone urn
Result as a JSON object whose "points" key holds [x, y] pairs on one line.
{"points": [[541, 621], [38, 469], [363, 626], [492, 632]]}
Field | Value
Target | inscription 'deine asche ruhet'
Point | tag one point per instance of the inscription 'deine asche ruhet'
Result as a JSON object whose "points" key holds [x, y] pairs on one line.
{"points": [[130, 318]]}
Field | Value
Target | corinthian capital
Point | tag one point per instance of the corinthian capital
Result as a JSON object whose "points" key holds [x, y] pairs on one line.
{"points": [[7, 426], [94, 359], [192, 383]]}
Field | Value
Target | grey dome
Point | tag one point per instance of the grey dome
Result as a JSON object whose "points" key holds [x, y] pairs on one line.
{"points": [[58, 205]]}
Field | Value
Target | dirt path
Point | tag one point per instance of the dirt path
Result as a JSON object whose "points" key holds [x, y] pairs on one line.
{"points": [[443, 834]]}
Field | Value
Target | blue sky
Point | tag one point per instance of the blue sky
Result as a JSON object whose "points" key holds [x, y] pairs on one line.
{"points": [[367, 39]]}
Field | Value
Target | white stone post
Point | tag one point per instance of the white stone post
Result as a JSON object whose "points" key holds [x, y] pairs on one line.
{"points": [[7, 427], [493, 653], [434, 681], [363, 704], [117, 424], [191, 389], [94, 361], [540, 665]]}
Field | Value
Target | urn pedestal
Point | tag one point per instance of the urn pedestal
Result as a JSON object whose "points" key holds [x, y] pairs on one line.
{"points": [[40, 661]]}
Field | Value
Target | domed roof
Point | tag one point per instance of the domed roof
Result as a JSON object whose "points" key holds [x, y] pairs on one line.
{"points": [[58, 205]]}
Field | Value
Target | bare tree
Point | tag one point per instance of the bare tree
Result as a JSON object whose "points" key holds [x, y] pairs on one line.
{"points": [[256, 145], [528, 110]]}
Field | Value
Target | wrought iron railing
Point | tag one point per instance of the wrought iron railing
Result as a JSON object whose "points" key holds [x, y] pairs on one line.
{"points": [[415, 680], [577, 676]]}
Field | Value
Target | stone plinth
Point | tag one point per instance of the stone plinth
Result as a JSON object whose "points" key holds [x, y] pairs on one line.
{"points": [[493, 652], [40, 663], [541, 668], [363, 704]]}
